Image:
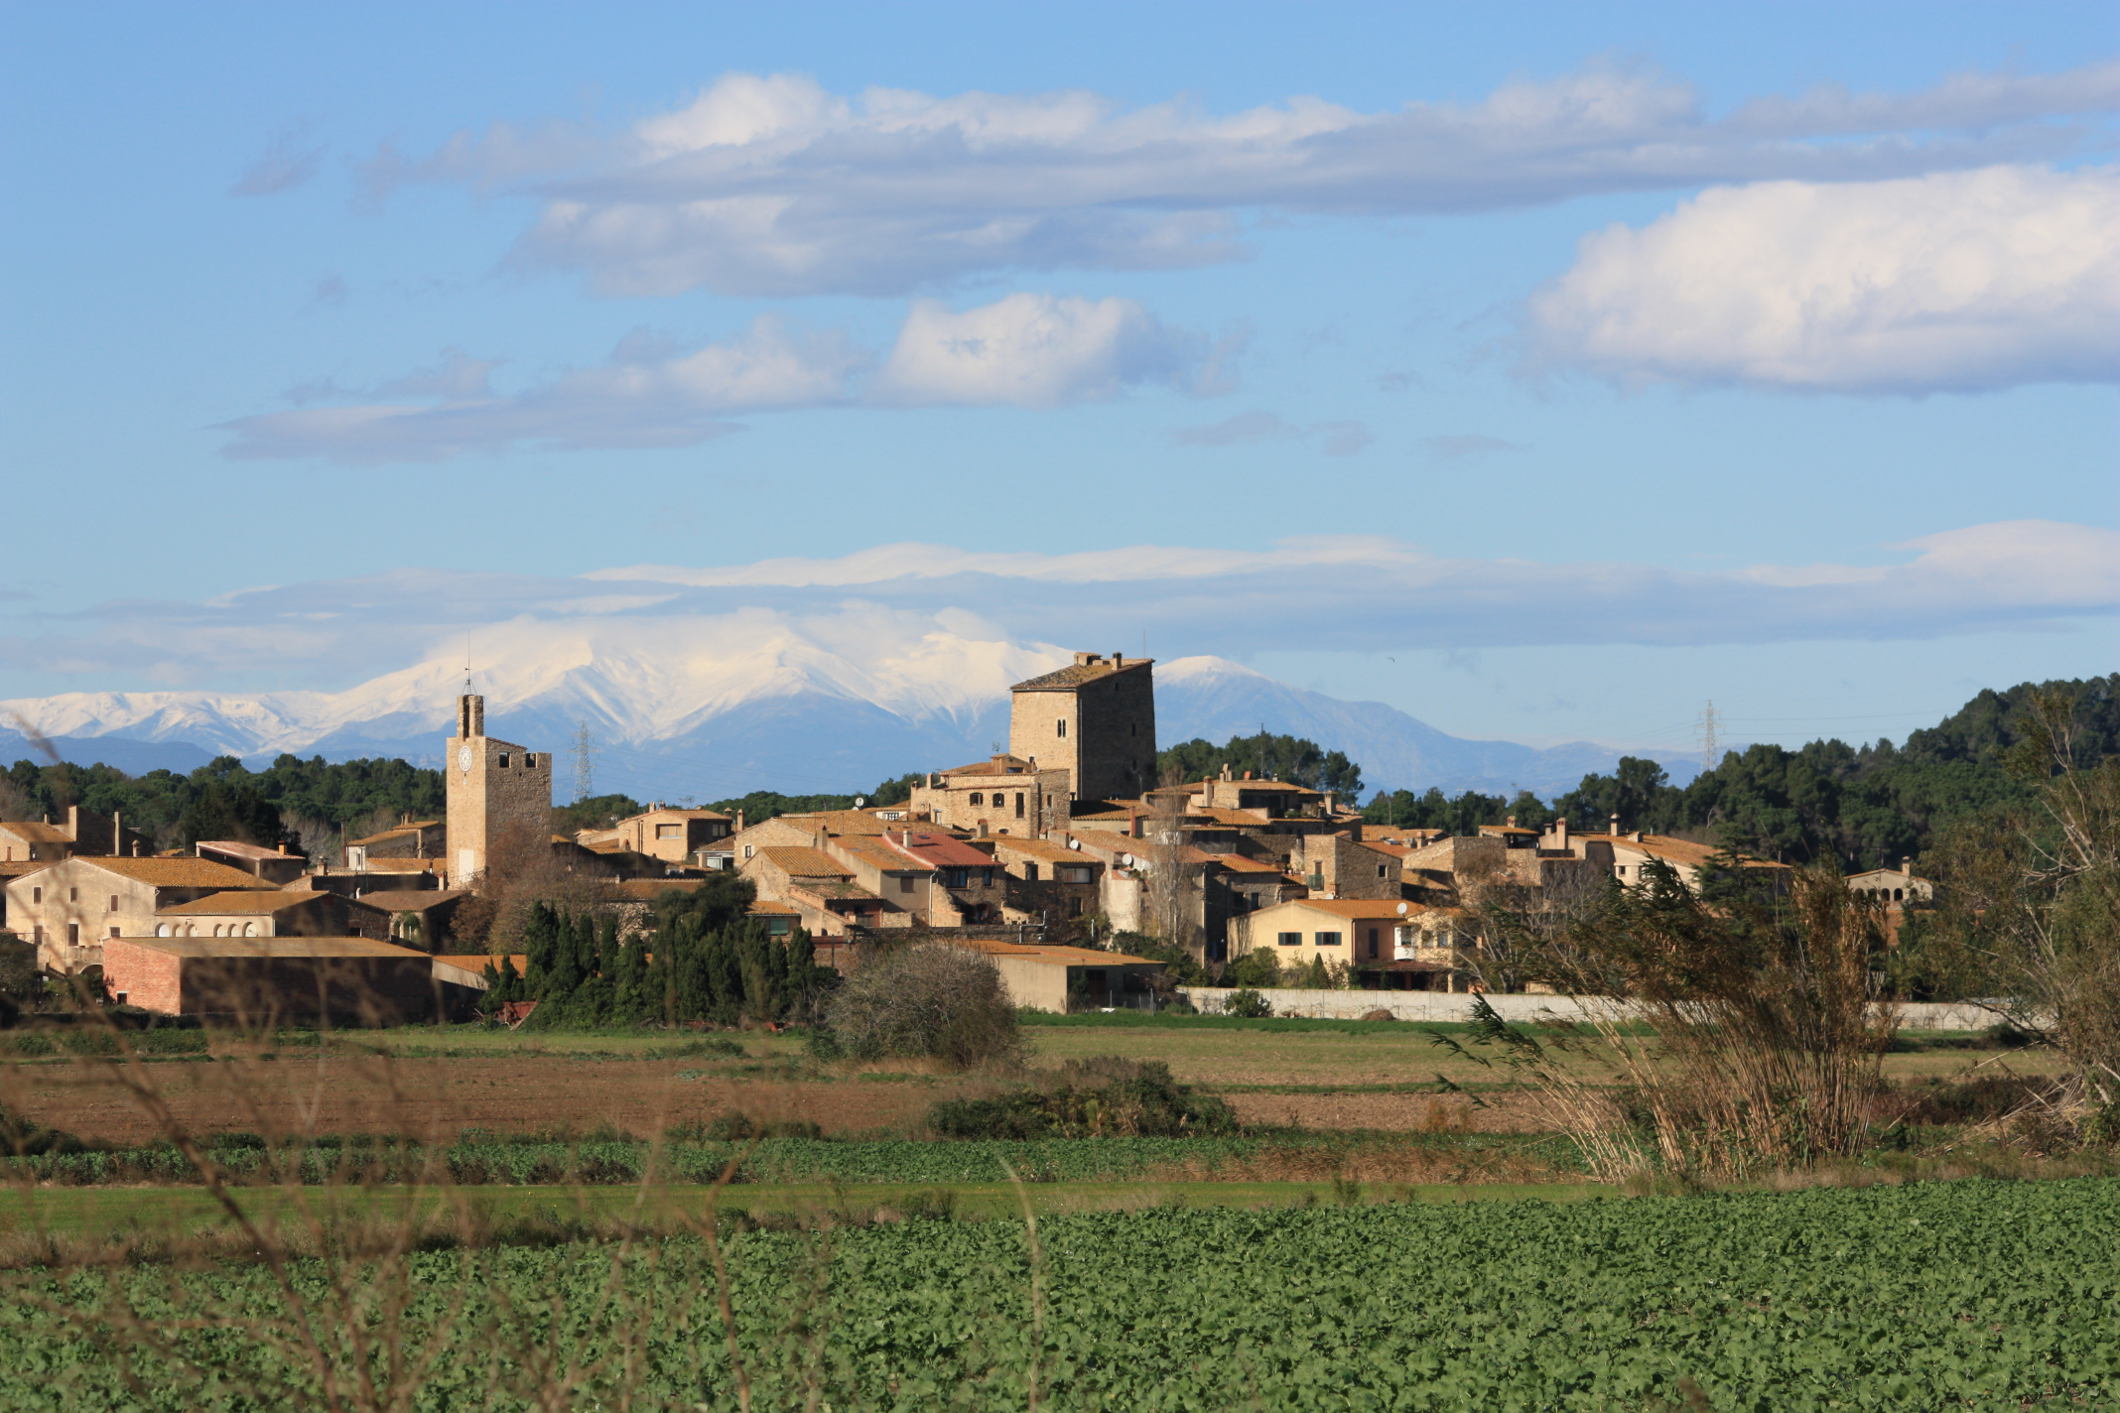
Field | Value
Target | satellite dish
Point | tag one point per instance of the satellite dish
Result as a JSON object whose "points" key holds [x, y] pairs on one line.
{"points": [[1075, 844], [1402, 910], [860, 800]]}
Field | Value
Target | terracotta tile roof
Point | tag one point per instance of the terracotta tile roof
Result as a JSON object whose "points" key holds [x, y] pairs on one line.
{"points": [[15, 868], [178, 872], [1237, 863], [766, 907], [873, 851], [410, 900], [411, 827], [838, 821], [1008, 765], [1052, 955], [940, 850], [799, 862], [36, 831], [398, 866], [242, 850], [1006, 844], [248, 901], [1670, 850], [1067, 678]]}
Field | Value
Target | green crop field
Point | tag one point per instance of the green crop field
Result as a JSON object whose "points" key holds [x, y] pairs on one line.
{"points": [[1961, 1295]]}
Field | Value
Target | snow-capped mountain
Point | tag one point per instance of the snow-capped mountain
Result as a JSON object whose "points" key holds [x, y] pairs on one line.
{"points": [[710, 708]]}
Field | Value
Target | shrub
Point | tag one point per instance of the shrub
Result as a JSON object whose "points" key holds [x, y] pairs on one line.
{"points": [[1098, 1098], [1246, 1003], [927, 1000], [1253, 969]]}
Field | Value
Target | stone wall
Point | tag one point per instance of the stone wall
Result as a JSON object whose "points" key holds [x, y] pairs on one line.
{"points": [[1445, 1006]]}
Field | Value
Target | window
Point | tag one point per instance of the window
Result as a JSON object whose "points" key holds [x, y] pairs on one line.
{"points": [[113, 904], [956, 877], [905, 883], [1291, 939], [986, 878], [1061, 728], [1030, 873], [978, 797], [73, 895], [36, 895], [503, 762], [1019, 804], [73, 934], [114, 929], [668, 831], [1372, 942], [1326, 939], [1073, 873], [1074, 907], [1380, 871], [529, 760]]}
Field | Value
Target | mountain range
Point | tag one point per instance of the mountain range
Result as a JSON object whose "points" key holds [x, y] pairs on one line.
{"points": [[673, 719]]}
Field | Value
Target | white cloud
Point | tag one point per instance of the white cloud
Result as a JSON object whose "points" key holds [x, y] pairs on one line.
{"points": [[773, 185], [287, 162], [1334, 438], [1956, 281], [1458, 446], [1338, 593], [1031, 350], [1024, 350]]}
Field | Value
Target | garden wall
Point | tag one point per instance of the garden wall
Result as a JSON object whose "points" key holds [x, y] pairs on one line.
{"points": [[1449, 1006]]}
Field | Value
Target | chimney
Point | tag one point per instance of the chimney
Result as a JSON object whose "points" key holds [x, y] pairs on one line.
{"points": [[1225, 770], [739, 821], [1906, 864], [1615, 824], [1332, 802], [1247, 775], [1560, 830], [1509, 821]]}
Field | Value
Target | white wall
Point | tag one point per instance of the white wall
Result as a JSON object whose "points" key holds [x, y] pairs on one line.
{"points": [[1443, 1006]]}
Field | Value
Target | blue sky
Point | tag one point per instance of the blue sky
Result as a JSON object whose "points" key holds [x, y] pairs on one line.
{"points": [[1598, 360]]}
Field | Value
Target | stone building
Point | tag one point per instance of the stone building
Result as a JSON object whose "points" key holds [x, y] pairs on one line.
{"points": [[1095, 719], [1896, 886], [81, 832], [664, 834], [1003, 794], [412, 839], [499, 795], [350, 980], [70, 908]]}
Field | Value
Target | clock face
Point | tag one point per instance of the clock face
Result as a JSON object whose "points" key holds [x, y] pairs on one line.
{"points": [[463, 757]]}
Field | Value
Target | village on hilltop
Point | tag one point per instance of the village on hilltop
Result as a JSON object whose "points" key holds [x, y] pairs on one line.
{"points": [[1048, 858]]}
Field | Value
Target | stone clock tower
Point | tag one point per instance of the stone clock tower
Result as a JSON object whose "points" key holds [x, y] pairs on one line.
{"points": [[499, 795]]}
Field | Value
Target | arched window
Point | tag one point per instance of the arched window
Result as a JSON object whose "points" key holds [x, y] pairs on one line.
{"points": [[250, 929], [162, 929]]}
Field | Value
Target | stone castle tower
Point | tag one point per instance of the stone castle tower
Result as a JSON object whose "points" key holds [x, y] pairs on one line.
{"points": [[499, 794], [1096, 719]]}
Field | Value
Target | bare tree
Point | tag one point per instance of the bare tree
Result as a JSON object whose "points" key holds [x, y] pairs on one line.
{"points": [[1176, 899], [2028, 923]]}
